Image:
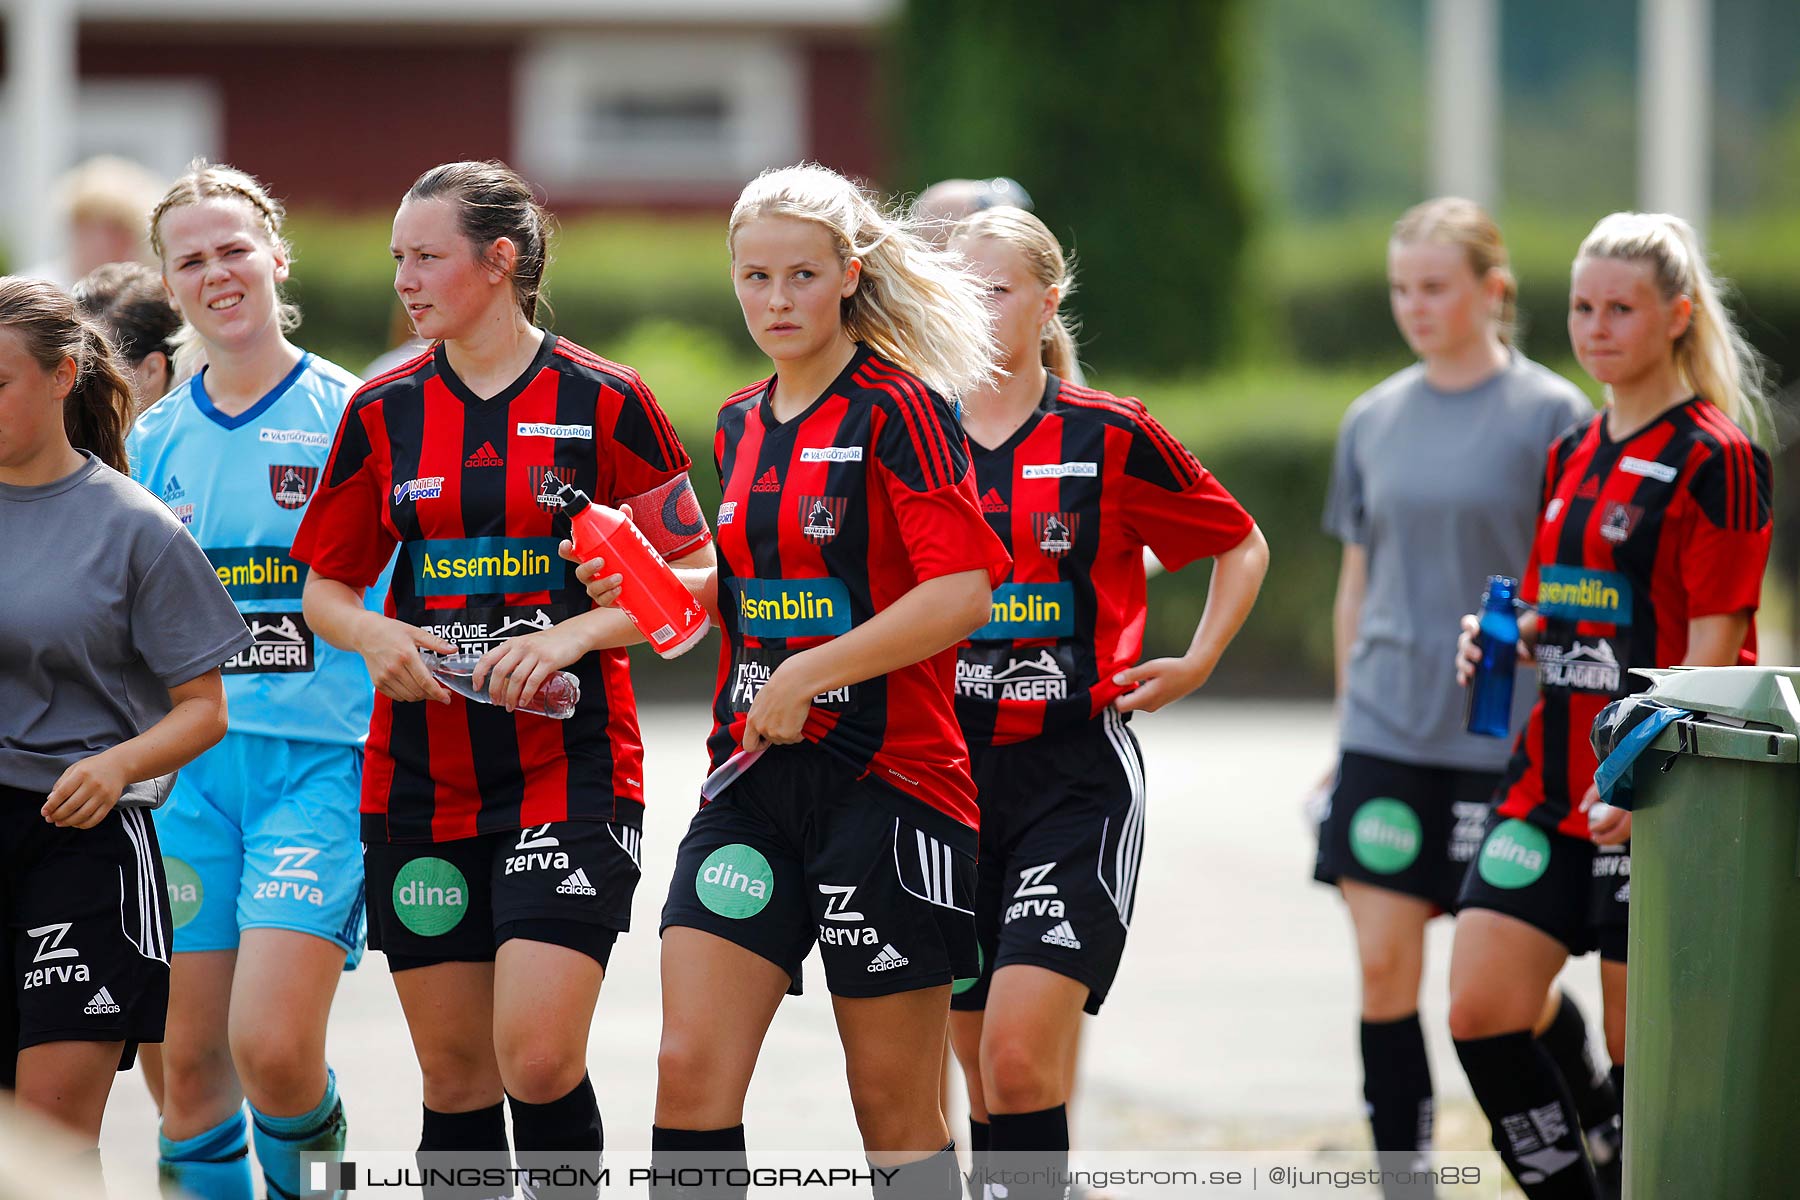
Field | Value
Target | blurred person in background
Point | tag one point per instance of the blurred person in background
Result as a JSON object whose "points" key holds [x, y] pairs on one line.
{"points": [[404, 345], [1432, 490], [103, 202], [111, 643], [502, 846], [940, 207], [1077, 483], [1652, 537], [259, 836], [128, 302]]}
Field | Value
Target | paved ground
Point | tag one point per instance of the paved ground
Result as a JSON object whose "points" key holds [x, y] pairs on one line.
{"points": [[1233, 1021]]}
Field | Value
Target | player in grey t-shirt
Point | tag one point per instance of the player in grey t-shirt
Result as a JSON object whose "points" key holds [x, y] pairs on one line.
{"points": [[111, 638], [1434, 487]]}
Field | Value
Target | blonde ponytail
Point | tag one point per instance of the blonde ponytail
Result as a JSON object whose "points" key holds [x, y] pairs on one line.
{"points": [[1712, 355], [915, 305], [1044, 257]]}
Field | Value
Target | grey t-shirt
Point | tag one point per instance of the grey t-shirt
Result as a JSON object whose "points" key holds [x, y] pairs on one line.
{"points": [[108, 604], [1441, 489]]}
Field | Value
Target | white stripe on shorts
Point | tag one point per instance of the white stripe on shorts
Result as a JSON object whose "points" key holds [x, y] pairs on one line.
{"points": [[152, 940], [1131, 833], [936, 871]]}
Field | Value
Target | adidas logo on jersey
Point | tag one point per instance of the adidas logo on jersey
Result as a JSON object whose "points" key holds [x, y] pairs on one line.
{"points": [[1062, 934], [487, 456], [770, 482], [577, 885], [888, 959], [1589, 489], [994, 502], [102, 1004]]}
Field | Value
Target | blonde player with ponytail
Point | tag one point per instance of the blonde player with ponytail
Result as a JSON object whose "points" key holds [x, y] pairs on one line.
{"points": [[1078, 483], [1651, 543], [852, 558]]}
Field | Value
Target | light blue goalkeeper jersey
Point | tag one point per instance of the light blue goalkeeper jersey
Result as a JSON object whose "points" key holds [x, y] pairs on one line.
{"points": [[241, 484]]}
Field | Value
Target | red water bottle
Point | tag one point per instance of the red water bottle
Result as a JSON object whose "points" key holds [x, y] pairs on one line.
{"points": [[656, 601]]}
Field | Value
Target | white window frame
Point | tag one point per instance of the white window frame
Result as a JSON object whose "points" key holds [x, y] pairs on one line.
{"points": [[761, 79], [162, 123]]}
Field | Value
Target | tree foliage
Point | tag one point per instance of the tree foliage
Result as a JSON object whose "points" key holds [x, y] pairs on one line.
{"points": [[1122, 122]]}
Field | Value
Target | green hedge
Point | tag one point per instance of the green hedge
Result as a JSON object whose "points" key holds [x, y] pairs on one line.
{"points": [[1267, 436], [1136, 167], [1323, 287], [607, 276]]}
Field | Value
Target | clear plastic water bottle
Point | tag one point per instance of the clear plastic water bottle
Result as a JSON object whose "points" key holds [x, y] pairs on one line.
{"points": [[556, 697], [1491, 691]]}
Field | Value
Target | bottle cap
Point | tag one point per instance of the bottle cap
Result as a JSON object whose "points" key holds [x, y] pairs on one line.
{"points": [[572, 499]]}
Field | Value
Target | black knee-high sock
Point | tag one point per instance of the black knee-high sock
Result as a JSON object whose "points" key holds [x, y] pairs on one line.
{"points": [[475, 1139], [1533, 1118], [1589, 1086], [980, 1136], [1397, 1096], [934, 1178], [562, 1139], [698, 1164], [1397, 1084], [1033, 1149]]}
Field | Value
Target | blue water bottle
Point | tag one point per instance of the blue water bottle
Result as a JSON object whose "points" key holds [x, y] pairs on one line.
{"points": [[1491, 691]]}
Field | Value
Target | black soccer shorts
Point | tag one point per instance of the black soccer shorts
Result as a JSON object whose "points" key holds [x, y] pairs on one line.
{"points": [[568, 883], [799, 851]]}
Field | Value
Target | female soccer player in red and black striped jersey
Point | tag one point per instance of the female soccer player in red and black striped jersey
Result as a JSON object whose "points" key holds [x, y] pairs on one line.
{"points": [[1649, 552], [501, 847], [1077, 483], [852, 560]]}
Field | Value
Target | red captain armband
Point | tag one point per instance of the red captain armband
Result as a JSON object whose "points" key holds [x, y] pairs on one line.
{"points": [[669, 517]]}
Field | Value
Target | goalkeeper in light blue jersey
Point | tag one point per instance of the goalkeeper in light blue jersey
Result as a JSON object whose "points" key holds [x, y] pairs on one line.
{"points": [[260, 835]]}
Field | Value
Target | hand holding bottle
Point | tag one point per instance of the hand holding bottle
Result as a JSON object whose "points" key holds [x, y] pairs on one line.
{"points": [[603, 590], [657, 602], [1496, 648], [555, 697], [391, 651]]}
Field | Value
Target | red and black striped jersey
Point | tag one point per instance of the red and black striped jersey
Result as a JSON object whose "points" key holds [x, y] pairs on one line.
{"points": [[1076, 493], [454, 481], [1635, 539], [827, 519]]}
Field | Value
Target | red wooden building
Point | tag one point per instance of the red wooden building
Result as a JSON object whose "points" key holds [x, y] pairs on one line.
{"points": [[660, 104]]}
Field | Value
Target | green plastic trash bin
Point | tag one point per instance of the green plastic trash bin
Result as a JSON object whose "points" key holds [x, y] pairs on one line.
{"points": [[1712, 1105]]}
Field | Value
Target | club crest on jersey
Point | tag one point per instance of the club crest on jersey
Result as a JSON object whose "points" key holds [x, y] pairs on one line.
{"points": [[1055, 531], [542, 477], [292, 486], [1618, 522], [820, 517]]}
